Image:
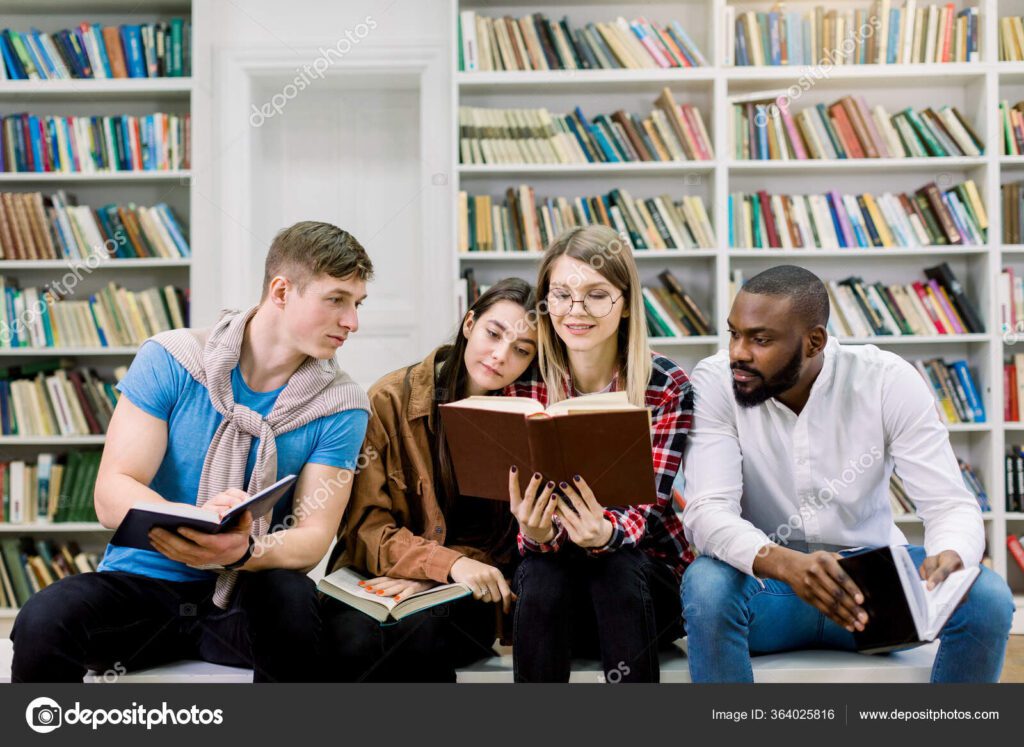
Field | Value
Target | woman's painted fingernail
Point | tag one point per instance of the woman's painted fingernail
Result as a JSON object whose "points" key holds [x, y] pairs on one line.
{"points": [[577, 478], [368, 587], [397, 597], [362, 583], [563, 485], [380, 592], [514, 469], [536, 475], [551, 485]]}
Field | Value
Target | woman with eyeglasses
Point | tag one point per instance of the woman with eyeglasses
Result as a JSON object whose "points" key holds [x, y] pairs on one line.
{"points": [[593, 581]]}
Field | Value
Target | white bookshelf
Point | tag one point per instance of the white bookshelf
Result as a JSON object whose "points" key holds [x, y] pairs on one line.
{"points": [[91, 97], [975, 88]]}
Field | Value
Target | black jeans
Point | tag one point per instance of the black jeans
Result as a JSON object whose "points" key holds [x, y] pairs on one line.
{"points": [[115, 621], [425, 647], [621, 607]]}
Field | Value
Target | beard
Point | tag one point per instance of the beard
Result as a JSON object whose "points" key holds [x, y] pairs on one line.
{"points": [[785, 379]]}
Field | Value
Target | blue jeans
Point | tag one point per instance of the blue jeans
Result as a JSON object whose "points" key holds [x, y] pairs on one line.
{"points": [[730, 615]]}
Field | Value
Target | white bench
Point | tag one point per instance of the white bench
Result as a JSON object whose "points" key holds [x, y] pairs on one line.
{"points": [[797, 666]]}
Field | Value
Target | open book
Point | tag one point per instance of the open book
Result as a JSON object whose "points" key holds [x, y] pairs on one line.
{"points": [[144, 515], [344, 586], [901, 610], [601, 437]]}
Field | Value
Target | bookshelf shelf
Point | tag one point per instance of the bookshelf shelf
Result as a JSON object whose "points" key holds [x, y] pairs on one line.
{"points": [[917, 339], [648, 255], [854, 254], [116, 351], [45, 527], [862, 73], [106, 89], [667, 168], [695, 340], [529, 81], [1014, 516], [8, 613], [1011, 160], [1013, 249], [107, 176], [52, 440], [830, 166], [968, 427], [7, 265]]}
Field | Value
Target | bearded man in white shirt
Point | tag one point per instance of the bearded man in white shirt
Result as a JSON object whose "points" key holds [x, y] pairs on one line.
{"points": [[788, 462]]}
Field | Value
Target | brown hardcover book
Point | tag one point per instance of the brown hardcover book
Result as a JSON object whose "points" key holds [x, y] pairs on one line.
{"points": [[90, 417], [49, 251], [633, 135], [601, 437], [134, 231], [934, 197], [794, 228], [667, 103], [25, 227], [860, 127], [848, 136], [670, 281], [16, 249], [7, 237], [112, 41]]}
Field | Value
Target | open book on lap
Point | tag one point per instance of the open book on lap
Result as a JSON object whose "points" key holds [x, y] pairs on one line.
{"points": [[144, 515], [902, 612], [601, 437], [343, 585]]}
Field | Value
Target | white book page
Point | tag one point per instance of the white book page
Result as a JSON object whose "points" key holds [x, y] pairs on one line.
{"points": [[945, 597], [182, 510], [524, 405]]}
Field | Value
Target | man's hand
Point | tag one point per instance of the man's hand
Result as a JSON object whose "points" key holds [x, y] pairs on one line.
{"points": [[936, 568], [199, 549], [225, 501], [818, 579], [582, 516]]}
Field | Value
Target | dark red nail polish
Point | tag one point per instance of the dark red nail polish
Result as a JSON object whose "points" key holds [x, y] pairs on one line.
{"points": [[563, 485], [514, 469], [577, 478]]}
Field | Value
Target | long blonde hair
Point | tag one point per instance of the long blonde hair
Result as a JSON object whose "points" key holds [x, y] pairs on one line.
{"points": [[606, 252]]}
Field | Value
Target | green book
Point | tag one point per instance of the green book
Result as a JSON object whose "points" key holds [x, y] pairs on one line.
{"points": [[67, 487], [933, 145], [16, 570], [175, 68]]}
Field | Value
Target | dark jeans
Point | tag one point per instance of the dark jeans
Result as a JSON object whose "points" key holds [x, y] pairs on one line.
{"points": [[621, 607], [425, 647], [114, 621]]}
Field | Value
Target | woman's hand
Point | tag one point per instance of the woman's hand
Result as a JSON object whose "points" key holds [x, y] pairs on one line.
{"points": [[396, 588], [533, 511], [486, 581], [586, 525]]}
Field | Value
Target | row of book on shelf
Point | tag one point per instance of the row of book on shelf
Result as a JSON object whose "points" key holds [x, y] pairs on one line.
{"points": [[37, 226], [56, 489], [111, 317], [903, 505], [671, 312], [1012, 194], [535, 42], [958, 398], [766, 127], [672, 132], [1011, 39], [929, 216], [93, 144], [49, 398], [937, 305], [29, 564], [91, 50], [521, 224], [1011, 125], [882, 34]]}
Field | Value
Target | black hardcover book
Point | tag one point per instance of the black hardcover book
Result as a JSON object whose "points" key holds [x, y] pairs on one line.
{"points": [[143, 516], [902, 613]]}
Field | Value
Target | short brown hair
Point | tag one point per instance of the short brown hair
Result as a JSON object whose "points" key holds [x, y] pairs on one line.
{"points": [[311, 248]]}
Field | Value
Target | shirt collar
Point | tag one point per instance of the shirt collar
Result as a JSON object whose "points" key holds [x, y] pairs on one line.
{"points": [[420, 381]]}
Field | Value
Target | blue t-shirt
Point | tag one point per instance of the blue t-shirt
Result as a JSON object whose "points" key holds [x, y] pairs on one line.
{"points": [[159, 385]]}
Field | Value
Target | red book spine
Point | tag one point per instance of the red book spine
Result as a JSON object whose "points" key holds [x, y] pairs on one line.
{"points": [[926, 302], [769, 220], [1016, 550]]}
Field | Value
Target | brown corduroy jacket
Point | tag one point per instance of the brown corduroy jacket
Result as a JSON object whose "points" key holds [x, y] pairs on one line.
{"points": [[393, 525]]}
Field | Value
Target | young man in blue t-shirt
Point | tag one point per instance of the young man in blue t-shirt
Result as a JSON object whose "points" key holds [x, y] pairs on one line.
{"points": [[205, 414]]}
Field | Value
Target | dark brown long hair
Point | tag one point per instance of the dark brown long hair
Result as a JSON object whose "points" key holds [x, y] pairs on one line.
{"points": [[493, 524]]}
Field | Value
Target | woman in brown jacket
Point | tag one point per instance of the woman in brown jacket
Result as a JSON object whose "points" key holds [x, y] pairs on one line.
{"points": [[407, 526]]}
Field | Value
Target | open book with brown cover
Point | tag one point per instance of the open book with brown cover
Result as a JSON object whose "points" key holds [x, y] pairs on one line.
{"points": [[601, 437]]}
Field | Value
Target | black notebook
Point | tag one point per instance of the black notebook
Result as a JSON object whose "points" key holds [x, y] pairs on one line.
{"points": [[901, 611], [144, 515]]}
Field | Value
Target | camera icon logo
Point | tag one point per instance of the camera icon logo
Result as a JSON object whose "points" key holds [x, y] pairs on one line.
{"points": [[43, 715]]}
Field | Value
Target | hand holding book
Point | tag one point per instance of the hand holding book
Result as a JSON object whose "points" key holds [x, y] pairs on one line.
{"points": [[582, 516], [936, 568]]}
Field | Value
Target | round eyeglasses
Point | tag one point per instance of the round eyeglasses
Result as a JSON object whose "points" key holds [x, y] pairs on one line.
{"points": [[596, 303]]}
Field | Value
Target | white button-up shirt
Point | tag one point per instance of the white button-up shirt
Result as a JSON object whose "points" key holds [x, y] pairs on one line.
{"points": [[761, 474]]}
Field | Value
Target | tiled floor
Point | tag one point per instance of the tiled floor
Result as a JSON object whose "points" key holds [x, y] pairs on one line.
{"points": [[1013, 669]]}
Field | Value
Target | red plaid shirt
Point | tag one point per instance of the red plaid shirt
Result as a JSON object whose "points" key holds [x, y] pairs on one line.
{"points": [[654, 528]]}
